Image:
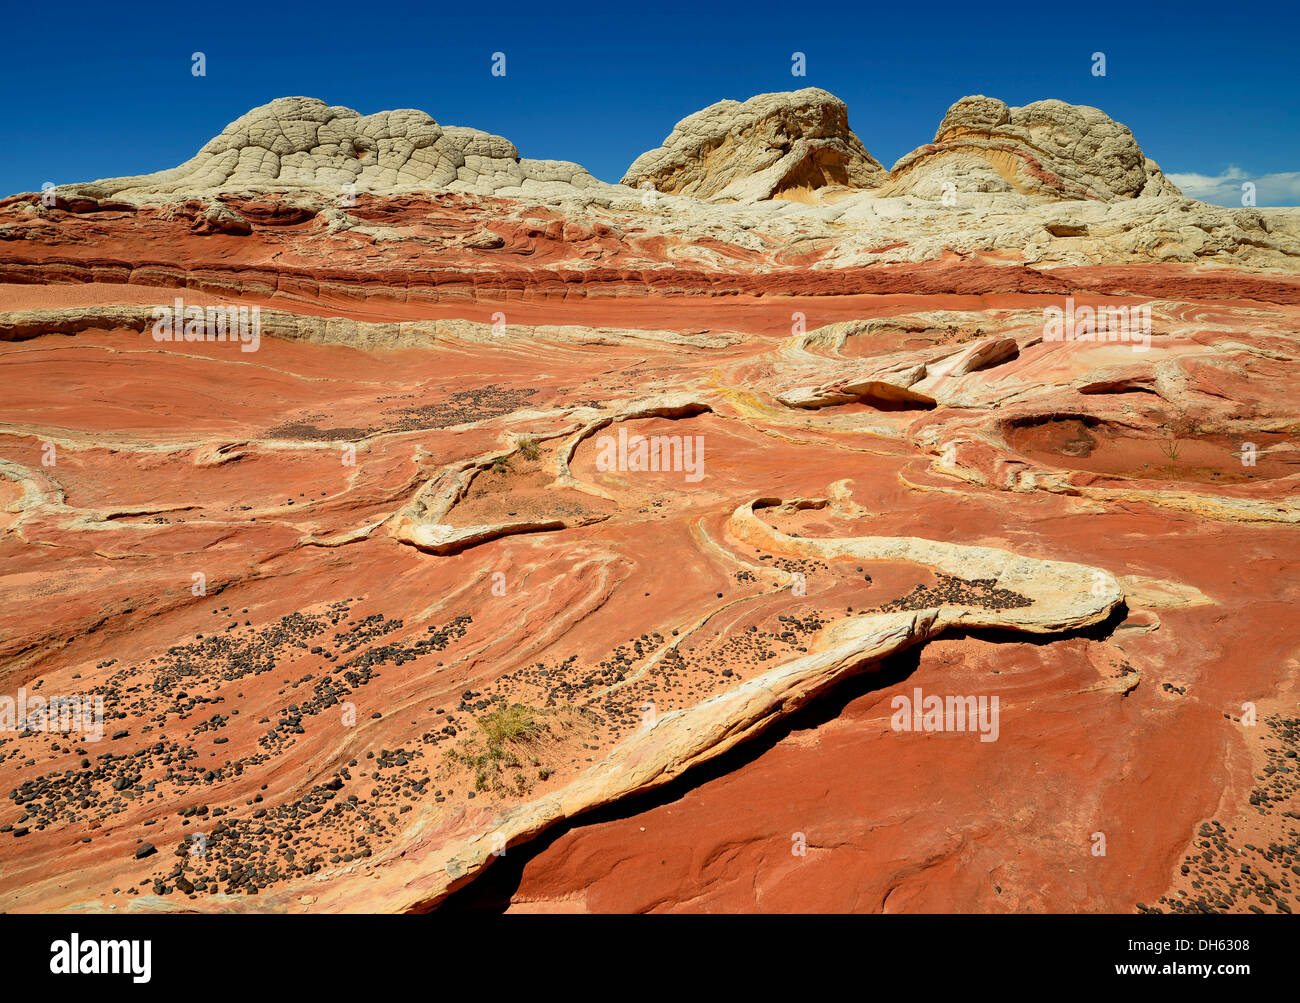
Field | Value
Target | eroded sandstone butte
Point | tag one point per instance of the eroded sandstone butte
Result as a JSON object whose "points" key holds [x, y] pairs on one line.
{"points": [[377, 625]]}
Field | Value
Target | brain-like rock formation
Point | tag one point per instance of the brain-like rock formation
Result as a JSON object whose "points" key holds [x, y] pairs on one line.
{"points": [[1047, 149], [784, 145], [299, 142]]}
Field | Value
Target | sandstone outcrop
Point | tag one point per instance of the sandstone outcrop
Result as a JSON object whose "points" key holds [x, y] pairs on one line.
{"points": [[1046, 149], [300, 142], [1049, 184], [785, 146]]}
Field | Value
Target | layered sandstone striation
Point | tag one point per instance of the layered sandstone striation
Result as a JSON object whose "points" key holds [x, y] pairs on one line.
{"points": [[392, 587]]}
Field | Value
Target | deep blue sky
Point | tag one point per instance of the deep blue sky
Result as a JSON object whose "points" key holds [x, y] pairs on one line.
{"points": [[99, 91]]}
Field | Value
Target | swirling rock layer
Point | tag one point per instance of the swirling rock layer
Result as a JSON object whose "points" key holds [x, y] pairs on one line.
{"points": [[554, 550]]}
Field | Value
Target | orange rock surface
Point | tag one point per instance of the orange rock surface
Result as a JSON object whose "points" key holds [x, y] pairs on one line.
{"points": [[376, 626]]}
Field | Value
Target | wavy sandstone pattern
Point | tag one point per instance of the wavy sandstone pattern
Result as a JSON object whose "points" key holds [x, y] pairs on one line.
{"points": [[305, 580]]}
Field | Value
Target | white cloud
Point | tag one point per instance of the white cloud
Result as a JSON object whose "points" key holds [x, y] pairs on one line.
{"points": [[1281, 189]]}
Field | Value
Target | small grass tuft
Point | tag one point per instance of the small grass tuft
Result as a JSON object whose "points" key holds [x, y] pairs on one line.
{"points": [[528, 447], [1182, 426], [502, 757], [514, 722]]}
